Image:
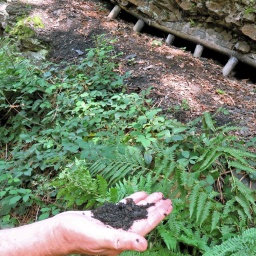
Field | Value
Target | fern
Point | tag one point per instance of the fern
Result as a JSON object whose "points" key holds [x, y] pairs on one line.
{"points": [[193, 198], [122, 165], [206, 212], [241, 200], [239, 187], [168, 237], [237, 153], [208, 122], [215, 220], [228, 207], [153, 252], [135, 183], [202, 197], [244, 244], [210, 159], [242, 167]]}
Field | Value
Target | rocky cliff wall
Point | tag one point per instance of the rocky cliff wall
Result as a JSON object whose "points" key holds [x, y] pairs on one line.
{"points": [[228, 26]]}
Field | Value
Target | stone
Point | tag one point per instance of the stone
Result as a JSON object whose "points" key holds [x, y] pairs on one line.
{"points": [[199, 33], [216, 7], [249, 30], [37, 56], [252, 55], [3, 14], [227, 36], [186, 5], [31, 44], [249, 17], [246, 2], [242, 47]]}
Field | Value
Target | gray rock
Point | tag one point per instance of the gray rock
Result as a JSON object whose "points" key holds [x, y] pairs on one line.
{"points": [[242, 47]]}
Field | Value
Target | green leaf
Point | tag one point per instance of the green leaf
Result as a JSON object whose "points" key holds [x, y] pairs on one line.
{"points": [[144, 141], [176, 138], [148, 157], [44, 216], [185, 154], [14, 200], [25, 198]]}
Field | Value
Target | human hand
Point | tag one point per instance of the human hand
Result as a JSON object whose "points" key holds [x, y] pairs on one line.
{"points": [[81, 233]]}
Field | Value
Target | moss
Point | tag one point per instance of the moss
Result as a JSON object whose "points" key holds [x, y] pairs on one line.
{"points": [[24, 28]]}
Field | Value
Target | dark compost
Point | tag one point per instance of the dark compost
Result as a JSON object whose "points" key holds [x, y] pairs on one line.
{"points": [[121, 215]]}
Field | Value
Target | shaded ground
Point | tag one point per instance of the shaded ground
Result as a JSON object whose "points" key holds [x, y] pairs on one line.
{"points": [[176, 78]]}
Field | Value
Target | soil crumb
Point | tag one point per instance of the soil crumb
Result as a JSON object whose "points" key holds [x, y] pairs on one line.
{"points": [[121, 215]]}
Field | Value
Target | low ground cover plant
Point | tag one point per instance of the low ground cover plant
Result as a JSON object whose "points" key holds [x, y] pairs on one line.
{"points": [[73, 138]]}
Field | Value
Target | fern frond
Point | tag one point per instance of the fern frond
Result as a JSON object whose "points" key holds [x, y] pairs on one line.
{"points": [[170, 169], [206, 212], [187, 180], [249, 194], [174, 225], [133, 155], [227, 129], [245, 205], [168, 238], [120, 171], [206, 151], [215, 220], [114, 195], [102, 185], [243, 245], [120, 165], [210, 159], [228, 207], [201, 204], [237, 154], [197, 243], [193, 199], [207, 120], [97, 167], [242, 217], [242, 167]]}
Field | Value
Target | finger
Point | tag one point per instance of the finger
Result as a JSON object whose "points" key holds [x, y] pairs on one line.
{"points": [[137, 197], [155, 215], [130, 241], [120, 240], [152, 198], [164, 206]]}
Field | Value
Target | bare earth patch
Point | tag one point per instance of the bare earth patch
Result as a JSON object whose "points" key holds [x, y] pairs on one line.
{"points": [[176, 77]]}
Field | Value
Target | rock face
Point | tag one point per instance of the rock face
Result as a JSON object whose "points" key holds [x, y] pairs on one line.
{"points": [[227, 25], [17, 22]]}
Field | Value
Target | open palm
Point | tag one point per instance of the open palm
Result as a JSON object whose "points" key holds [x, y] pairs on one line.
{"points": [[88, 235]]}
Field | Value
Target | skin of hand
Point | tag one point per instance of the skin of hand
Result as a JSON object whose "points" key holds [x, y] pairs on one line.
{"points": [[78, 232]]}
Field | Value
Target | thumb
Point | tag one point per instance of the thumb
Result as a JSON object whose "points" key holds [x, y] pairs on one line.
{"points": [[130, 241]]}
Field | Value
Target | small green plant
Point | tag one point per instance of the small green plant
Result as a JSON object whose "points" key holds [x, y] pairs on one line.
{"points": [[192, 23], [83, 190], [184, 106], [219, 91], [156, 43]]}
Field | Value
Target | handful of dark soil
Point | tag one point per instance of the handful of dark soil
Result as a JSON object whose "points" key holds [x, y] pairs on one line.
{"points": [[121, 215]]}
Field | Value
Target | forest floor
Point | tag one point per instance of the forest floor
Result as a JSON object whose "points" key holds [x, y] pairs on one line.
{"points": [[183, 86]]}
